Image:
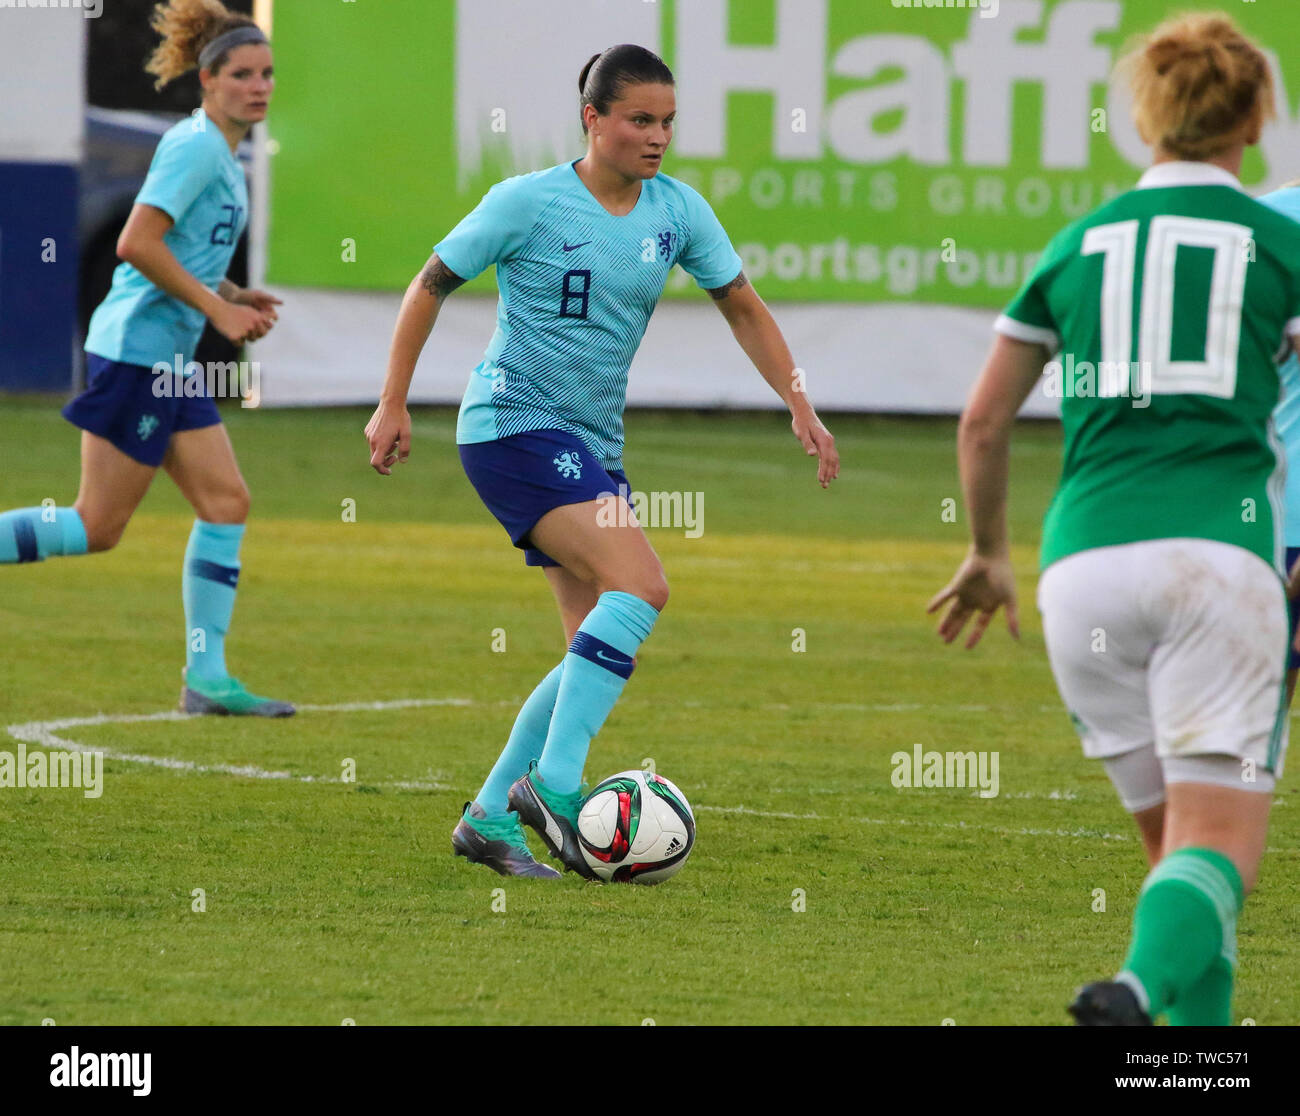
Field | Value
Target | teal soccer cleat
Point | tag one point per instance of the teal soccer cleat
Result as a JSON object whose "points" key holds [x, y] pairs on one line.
{"points": [[228, 698]]}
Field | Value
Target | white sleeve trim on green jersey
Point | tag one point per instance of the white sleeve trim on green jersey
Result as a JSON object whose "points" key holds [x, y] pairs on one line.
{"points": [[1019, 331]]}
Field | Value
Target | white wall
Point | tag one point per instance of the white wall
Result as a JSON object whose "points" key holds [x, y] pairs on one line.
{"points": [[42, 84], [332, 347]]}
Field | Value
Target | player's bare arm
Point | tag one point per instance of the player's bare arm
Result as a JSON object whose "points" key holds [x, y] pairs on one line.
{"points": [[389, 430], [985, 581], [984, 437], [758, 334], [141, 244]]}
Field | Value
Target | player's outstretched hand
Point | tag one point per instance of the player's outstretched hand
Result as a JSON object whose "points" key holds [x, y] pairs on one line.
{"points": [[389, 435], [819, 443], [980, 585]]}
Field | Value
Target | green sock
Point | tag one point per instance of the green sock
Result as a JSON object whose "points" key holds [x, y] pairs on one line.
{"points": [[1186, 920], [1208, 1003]]}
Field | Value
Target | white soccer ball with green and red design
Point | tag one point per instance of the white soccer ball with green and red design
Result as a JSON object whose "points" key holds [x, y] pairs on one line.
{"points": [[636, 827]]}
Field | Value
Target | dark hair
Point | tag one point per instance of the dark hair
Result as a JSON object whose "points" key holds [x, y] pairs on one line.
{"points": [[606, 76]]}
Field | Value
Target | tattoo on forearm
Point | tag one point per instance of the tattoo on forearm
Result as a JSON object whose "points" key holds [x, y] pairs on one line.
{"points": [[227, 290], [438, 280], [719, 293]]}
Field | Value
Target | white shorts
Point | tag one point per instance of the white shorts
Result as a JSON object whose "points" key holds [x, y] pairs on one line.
{"points": [[1177, 643]]}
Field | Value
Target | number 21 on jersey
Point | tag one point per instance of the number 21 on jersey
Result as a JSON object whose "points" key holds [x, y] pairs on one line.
{"points": [[223, 232]]}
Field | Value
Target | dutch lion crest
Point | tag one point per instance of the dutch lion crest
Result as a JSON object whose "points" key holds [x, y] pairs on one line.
{"points": [[568, 464]]}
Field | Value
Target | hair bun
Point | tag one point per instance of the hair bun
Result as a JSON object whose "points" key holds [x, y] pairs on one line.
{"points": [[582, 77], [1199, 86], [1168, 52]]}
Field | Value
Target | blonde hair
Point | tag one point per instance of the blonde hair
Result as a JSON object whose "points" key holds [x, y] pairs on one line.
{"points": [[187, 26], [1200, 86]]}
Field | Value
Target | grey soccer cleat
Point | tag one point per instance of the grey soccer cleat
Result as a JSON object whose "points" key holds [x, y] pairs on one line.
{"points": [[498, 843], [553, 817]]}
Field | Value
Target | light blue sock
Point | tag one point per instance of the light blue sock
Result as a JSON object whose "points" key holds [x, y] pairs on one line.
{"points": [[596, 668], [208, 590], [524, 745], [34, 534]]}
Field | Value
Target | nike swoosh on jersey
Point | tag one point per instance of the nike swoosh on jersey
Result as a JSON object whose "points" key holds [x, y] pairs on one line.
{"points": [[574, 247]]}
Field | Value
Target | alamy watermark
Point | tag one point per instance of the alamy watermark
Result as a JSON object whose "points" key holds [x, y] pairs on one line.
{"points": [[78, 1068], [1081, 379], [54, 769], [217, 379], [653, 509], [919, 768], [90, 9], [988, 9]]}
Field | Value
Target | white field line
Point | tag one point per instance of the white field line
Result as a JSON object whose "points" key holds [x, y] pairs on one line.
{"points": [[1090, 834], [897, 707], [976, 827], [46, 734]]}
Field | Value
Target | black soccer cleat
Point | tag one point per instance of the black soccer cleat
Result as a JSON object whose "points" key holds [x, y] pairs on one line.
{"points": [[505, 851], [1108, 1003], [554, 823]]}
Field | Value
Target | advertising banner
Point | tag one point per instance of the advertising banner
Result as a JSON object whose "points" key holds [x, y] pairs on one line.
{"points": [[860, 153]]}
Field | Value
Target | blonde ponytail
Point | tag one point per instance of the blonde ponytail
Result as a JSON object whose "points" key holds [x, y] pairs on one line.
{"points": [[187, 26]]}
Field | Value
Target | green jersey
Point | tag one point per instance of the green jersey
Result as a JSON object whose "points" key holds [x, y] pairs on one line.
{"points": [[1169, 307]]}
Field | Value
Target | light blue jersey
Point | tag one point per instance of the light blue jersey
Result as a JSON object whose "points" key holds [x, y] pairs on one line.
{"points": [[197, 181], [578, 286], [1287, 416]]}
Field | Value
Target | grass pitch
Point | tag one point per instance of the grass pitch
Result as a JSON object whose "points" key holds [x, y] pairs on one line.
{"points": [[818, 891]]}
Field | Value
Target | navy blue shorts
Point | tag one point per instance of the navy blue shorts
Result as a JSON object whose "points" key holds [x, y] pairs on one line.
{"points": [[119, 404], [522, 477], [1293, 658]]}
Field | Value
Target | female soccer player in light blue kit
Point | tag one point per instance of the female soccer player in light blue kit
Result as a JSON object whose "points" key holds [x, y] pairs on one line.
{"points": [[176, 248], [582, 252], [1287, 421]]}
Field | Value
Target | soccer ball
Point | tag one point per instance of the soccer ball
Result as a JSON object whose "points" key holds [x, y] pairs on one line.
{"points": [[636, 827]]}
